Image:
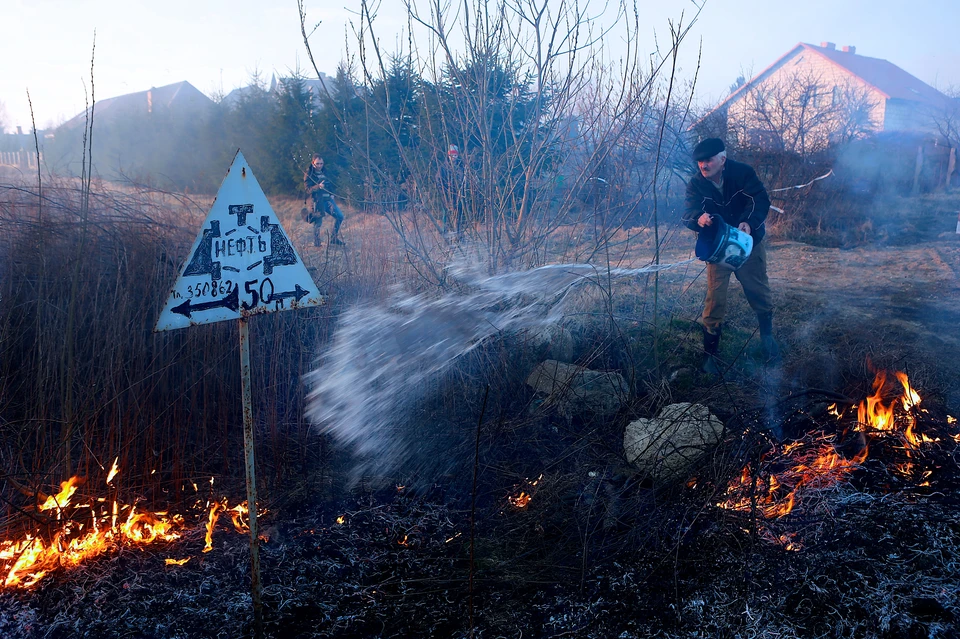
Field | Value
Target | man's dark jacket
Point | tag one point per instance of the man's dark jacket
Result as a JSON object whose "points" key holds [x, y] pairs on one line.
{"points": [[314, 178], [743, 200]]}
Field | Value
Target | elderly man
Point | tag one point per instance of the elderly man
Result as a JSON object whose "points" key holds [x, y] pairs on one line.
{"points": [[732, 192]]}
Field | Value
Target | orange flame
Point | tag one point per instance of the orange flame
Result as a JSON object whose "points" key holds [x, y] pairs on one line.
{"points": [[815, 465], [62, 499], [520, 501], [176, 562], [237, 514], [113, 471], [872, 413], [910, 397], [27, 561], [24, 562], [211, 524]]}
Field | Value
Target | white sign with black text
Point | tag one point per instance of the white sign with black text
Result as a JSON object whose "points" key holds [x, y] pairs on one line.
{"points": [[242, 262]]}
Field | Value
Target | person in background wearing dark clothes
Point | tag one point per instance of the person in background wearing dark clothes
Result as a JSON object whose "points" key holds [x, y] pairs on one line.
{"points": [[733, 192], [315, 183]]}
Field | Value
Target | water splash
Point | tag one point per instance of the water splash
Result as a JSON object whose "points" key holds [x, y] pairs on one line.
{"points": [[383, 358]]}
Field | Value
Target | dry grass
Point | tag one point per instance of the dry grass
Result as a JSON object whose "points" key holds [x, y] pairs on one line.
{"points": [[594, 553], [166, 404]]}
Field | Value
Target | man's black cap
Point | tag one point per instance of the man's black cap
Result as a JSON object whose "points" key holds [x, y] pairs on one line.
{"points": [[707, 149]]}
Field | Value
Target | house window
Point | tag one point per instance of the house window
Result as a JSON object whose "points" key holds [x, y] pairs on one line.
{"points": [[811, 97], [760, 138]]}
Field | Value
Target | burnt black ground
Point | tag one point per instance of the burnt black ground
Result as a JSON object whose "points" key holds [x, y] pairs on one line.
{"points": [[880, 558]]}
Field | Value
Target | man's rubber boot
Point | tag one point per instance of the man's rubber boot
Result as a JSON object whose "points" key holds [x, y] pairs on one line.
{"points": [[769, 348], [711, 343], [336, 241]]}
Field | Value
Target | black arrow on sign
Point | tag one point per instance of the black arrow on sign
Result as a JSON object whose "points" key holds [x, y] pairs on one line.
{"points": [[297, 293], [231, 301]]}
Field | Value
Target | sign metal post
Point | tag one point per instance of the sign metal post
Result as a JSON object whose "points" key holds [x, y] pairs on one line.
{"points": [[249, 456], [241, 244]]}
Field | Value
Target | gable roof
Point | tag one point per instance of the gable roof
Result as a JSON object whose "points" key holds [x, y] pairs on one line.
{"points": [[887, 78], [181, 96]]}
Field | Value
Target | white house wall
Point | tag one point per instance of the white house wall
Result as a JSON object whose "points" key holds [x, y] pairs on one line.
{"points": [[783, 80]]}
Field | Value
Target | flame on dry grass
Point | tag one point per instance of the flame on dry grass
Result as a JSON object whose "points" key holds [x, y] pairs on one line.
{"points": [[240, 515], [62, 499], [812, 465], [212, 517], [113, 471], [522, 499], [24, 562], [519, 501], [874, 414]]}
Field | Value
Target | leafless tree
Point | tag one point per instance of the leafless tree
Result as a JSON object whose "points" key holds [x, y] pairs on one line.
{"points": [[946, 121], [530, 151], [801, 113]]}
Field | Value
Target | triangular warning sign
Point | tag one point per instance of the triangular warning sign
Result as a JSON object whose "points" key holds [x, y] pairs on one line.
{"points": [[242, 262]]}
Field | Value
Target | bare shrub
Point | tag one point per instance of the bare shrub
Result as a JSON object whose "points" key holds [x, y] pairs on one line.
{"points": [[508, 120]]}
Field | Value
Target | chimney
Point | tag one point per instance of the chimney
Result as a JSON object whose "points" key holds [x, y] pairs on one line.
{"points": [[849, 49], [829, 45]]}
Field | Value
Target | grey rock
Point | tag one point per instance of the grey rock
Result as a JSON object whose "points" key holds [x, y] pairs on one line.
{"points": [[578, 391], [668, 446]]}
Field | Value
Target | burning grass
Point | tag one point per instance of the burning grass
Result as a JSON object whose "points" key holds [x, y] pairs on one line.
{"points": [[87, 526], [886, 430]]}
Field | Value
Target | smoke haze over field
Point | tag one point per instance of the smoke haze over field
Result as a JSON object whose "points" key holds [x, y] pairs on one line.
{"points": [[217, 45]]}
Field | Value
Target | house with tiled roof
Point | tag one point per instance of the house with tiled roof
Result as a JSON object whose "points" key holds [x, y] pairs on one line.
{"points": [[814, 96], [180, 99]]}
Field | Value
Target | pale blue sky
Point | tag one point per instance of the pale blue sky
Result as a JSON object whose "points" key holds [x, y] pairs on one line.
{"points": [[217, 44]]}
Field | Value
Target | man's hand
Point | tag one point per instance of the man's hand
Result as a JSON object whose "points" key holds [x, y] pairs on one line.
{"points": [[705, 220], [744, 227]]}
